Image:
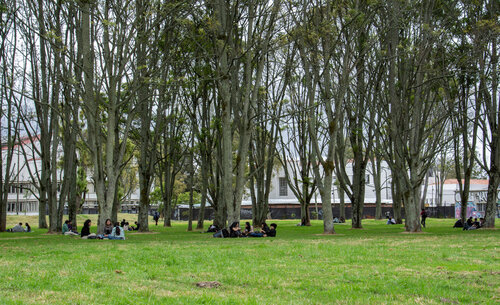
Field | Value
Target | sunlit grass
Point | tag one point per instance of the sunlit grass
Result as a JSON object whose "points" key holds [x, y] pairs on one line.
{"points": [[376, 265]]}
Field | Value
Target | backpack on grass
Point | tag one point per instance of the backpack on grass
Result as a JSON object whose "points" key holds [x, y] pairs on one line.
{"points": [[224, 233]]}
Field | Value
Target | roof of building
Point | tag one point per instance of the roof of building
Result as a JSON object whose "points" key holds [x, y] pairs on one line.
{"points": [[472, 181], [23, 141]]}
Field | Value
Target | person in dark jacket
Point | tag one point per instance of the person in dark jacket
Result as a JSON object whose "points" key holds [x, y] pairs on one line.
{"points": [[423, 214], [458, 224], [272, 230], [234, 229], [156, 217], [213, 228], [468, 224], [248, 229], [264, 231], [85, 233]]}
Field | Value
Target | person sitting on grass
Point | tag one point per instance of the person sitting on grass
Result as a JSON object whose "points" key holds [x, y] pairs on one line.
{"points": [[117, 232], [476, 223], [390, 220], [248, 229], [137, 226], [272, 230], [67, 228], [458, 224], [213, 228], [71, 229], [266, 231], [85, 234], [17, 228], [234, 230], [468, 224], [28, 228], [108, 227], [122, 224], [263, 231]]}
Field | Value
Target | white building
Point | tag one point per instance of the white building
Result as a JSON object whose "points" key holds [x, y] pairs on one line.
{"points": [[22, 199], [22, 192]]}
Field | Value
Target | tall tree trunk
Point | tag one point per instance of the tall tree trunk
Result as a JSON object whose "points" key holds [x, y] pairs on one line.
{"points": [[342, 203], [376, 169], [397, 198]]}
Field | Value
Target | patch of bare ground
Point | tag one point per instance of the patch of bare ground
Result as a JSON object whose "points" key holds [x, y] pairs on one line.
{"points": [[211, 284]]}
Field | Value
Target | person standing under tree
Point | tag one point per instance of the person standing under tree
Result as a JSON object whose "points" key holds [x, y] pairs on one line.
{"points": [[423, 214]]}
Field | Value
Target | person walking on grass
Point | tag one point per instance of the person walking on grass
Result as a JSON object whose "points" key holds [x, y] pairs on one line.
{"points": [[156, 217], [423, 214]]}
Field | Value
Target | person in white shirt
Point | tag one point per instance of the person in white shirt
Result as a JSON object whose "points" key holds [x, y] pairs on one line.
{"points": [[117, 233]]}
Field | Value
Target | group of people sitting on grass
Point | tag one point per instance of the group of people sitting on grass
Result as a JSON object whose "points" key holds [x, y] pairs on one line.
{"points": [[67, 228], [19, 228], [235, 230], [125, 225], [111, 231], [470, 224]]}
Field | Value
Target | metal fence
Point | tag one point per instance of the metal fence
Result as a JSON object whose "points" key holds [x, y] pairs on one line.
{"points": [[294, 212]]}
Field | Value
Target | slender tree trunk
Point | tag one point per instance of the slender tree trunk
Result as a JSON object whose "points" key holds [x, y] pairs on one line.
{"points": [[397, 199], [342, 203], [492, 201], [376, 168]]}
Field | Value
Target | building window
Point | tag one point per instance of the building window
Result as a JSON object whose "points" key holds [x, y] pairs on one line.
{"points": [[283, 187], [367, 179]]}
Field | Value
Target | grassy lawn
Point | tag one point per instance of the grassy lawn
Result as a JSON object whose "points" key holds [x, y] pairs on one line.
{"points": [[376, 265]]}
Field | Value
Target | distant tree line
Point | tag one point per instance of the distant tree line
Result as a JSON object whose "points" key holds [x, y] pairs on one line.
{"points": [[222, 92]]}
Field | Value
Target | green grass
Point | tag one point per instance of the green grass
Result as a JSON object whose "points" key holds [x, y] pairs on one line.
{"points": [[376, 265]]}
